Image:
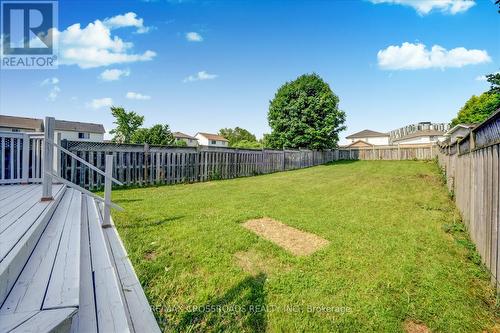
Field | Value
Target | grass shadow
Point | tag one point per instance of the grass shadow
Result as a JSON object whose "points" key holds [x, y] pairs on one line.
{"points": [[341, 162], [154, 223], [243, 305], [127, 200]]}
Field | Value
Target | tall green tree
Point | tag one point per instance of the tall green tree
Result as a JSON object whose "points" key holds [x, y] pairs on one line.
{"points": [[156, 135], [494, 80], [236, 135], [477, 109], [126, 124], [305, 114]]}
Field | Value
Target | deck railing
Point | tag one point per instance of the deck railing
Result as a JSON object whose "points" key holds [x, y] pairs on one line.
{"points": [[21, 157], [51, 159]]}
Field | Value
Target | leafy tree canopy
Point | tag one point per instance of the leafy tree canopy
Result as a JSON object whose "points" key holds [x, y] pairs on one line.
{"points": [[156, 135], [126, 124], [477, 108], [304, 114], [236, 135], [494, 80], [248, 144]]}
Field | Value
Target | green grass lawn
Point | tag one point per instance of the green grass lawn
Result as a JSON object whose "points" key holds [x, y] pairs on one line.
{"points": [[390, 257]]}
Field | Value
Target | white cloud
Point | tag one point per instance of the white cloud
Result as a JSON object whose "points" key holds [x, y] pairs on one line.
{"points": [[100, 103], [50, 80], [53, 93], [54, 88], [129, 19], [94, 46], [194, 37], [417, 56], [200, 76], [114, 74], [138, 96], [424, 7]]}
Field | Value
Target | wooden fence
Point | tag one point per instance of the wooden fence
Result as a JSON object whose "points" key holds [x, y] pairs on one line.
{"points": [[144, 165], [472, 167], [390, 153]]}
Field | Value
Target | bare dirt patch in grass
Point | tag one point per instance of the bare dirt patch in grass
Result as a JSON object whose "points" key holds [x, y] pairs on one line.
{"points": [[411, 326], [150, 255], [299, 243]]}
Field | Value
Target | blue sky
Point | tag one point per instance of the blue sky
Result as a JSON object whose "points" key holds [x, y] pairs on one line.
{"points": [[204, 65]]}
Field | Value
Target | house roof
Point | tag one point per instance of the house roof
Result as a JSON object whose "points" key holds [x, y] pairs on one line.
{"points": [[212, 136], [21, 122], [75, 126], [366, 134], [180, 135], [458, 126], [359, 143], [419, 134]]}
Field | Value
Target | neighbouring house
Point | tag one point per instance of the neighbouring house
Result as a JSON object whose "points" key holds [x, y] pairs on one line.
{"points": [[77, 131], [213, 140], [368, 138], [190, 141], [420, 133], [20, 124], [458, 132]]}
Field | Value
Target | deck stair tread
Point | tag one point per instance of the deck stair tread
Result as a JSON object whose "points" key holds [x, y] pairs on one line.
{"points": [[55, 320], [139, 314], [110, 310]]}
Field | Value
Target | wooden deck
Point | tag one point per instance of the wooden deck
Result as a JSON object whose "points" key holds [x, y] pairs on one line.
{"points": [[60, 271]]}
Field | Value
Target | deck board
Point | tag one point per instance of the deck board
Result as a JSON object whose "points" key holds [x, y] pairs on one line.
{"points": [[139, 312], [13, 262], [17, 208], [110, 310], [10, 321], [87, 318], [63, 289], [7, 191], [61, 271], [29, 290], [17, 199], [58, 320]]}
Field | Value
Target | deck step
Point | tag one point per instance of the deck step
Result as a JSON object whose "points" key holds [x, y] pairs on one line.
{"points": [[57, 320], [139, 314], [109, 306], [21, 235], [64, 272]]}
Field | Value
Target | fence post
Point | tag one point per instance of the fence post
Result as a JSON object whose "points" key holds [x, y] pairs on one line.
{"points": [[26, 158], [48, 159], [284, 163], [107, 191], [146, 163]]}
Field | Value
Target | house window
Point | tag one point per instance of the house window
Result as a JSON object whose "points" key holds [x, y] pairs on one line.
{"points": [[433, 138], [16, 130], [213, 142], [82, 135]]}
